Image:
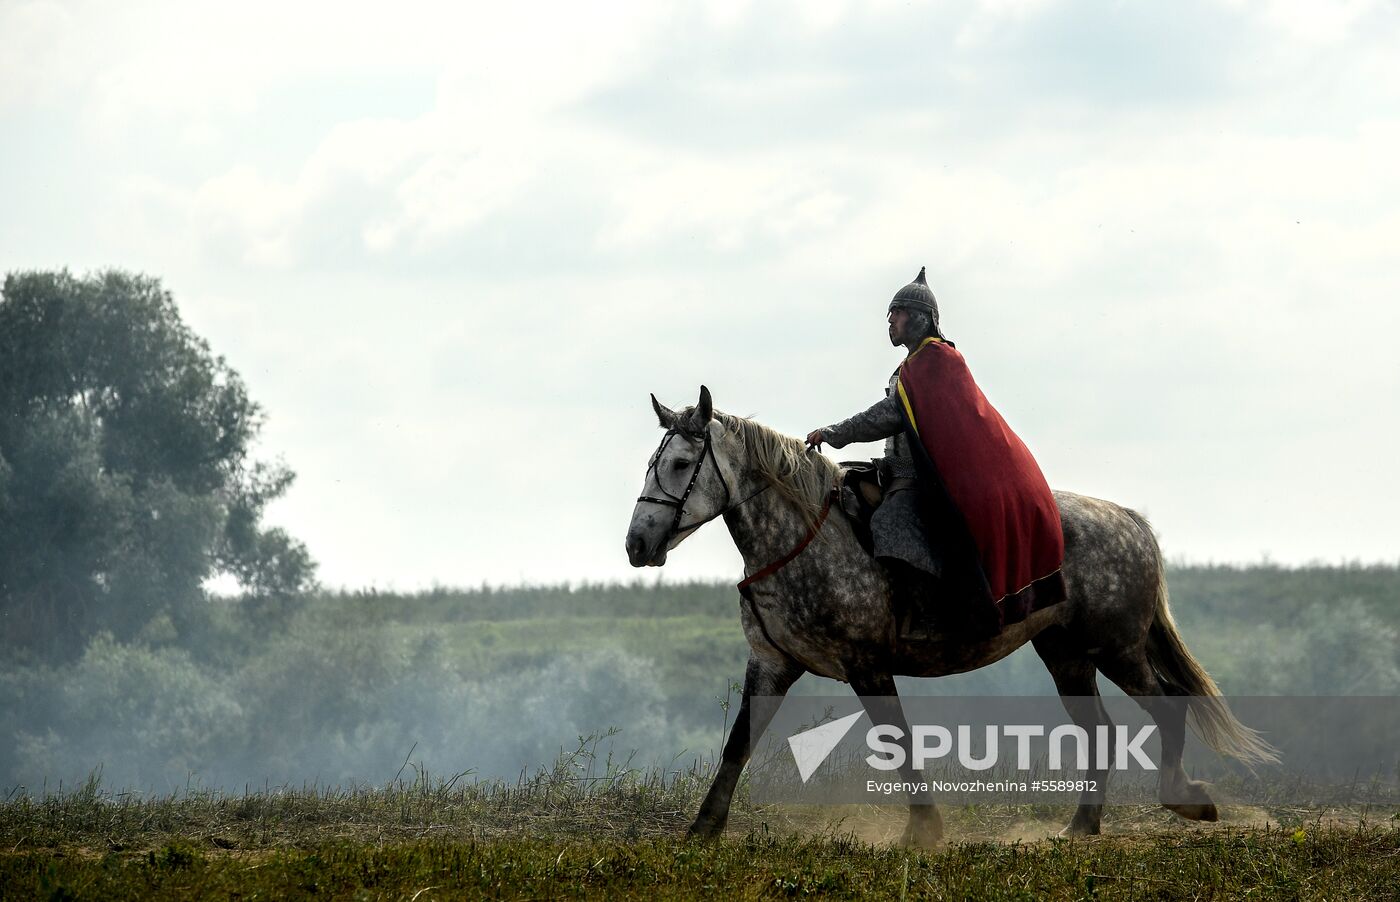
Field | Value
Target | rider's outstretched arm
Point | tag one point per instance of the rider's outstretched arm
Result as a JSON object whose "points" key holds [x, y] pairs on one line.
{"points": [[880, 420]]}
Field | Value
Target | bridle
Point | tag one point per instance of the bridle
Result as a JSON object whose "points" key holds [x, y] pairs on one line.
{"points": [[678, 502]]}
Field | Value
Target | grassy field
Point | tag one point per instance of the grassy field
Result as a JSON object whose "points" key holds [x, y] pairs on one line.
{"points": [[560, 834], [347, 684]]}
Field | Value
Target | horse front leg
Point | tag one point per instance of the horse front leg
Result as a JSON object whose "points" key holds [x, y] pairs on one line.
{"points": [[880, 697], [761, 677]]}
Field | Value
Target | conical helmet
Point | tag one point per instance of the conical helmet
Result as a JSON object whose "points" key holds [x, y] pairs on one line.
{"points": [[916, 296]]}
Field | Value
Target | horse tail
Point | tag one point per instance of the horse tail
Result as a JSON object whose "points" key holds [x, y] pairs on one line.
{"points": [[1180, 673]]}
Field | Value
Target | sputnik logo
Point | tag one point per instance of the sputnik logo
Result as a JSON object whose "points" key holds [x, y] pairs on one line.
{"points": [[810, 748]]}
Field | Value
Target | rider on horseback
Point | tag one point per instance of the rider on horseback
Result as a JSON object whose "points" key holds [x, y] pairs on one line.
{"points": [[967, 515]]}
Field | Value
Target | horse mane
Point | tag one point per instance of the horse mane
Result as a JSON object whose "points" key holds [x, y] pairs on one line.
{"points": [[802, 477]]}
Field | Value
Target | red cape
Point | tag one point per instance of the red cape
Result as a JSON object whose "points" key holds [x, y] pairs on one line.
{"points": [[983, 484]]}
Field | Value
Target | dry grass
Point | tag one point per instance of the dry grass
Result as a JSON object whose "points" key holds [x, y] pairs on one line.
{"points": [[585, 829]]}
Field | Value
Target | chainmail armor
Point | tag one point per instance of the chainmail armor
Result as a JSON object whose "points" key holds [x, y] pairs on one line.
{"points": [[882, 420]]}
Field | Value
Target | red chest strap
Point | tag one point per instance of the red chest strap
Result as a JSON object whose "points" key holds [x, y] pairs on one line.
{"points": [[786, 559]]}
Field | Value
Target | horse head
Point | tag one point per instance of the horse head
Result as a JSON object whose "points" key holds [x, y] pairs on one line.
{"points": [[686, 484]]}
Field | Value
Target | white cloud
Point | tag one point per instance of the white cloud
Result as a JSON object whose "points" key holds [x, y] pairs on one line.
{"points": [[1315, 23], [33, 30], [724, 203], [1183, 295]]}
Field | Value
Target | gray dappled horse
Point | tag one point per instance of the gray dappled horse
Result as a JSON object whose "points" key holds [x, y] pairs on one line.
{"points": [[827, 611]]}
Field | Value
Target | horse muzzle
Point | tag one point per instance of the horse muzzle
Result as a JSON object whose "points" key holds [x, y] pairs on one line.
{"points": [[640, 552]]}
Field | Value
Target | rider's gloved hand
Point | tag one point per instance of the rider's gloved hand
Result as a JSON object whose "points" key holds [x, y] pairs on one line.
{"points": [[815, 439]]}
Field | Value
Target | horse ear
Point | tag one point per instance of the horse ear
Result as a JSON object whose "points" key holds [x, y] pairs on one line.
{"points": [[704, 412], [664, 415]]}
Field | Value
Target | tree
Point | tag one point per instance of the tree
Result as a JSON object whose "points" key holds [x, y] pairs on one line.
{"points": [[125, 472]]}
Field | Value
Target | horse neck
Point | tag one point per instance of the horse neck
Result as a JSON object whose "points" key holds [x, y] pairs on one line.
{"points": [[765, 527]]}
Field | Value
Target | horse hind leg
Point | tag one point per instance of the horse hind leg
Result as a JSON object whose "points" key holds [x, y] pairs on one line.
{"points": [[880, 697], [1076, 681], [1177, 792]]}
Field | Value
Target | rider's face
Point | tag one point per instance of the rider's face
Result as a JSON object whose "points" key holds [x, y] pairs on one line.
{"points": [[899, 322]]}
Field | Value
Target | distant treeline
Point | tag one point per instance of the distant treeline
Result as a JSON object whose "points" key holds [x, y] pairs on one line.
{"points": [[346, 687], [1260, 593], [452, 605], [1268, 593]]}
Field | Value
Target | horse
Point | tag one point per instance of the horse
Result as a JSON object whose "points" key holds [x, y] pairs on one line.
{"points": [[825, 608]]}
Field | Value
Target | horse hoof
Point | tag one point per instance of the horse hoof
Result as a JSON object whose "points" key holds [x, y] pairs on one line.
{"points": [[1193, 803], [1196, 811], [924, 836], [1078, 828]]}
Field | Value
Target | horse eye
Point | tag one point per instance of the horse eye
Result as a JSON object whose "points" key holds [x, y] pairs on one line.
{"points": [[680, 465]]}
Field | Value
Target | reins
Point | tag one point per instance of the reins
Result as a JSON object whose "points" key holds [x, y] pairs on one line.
{"points": [[678, 502], [788, 558], [745, 587]]}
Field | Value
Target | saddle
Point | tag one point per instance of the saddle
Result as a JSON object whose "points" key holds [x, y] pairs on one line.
{"points": [[860, 494]]}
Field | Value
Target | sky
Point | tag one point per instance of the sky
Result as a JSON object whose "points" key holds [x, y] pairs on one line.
{"points": [[451, 247]]}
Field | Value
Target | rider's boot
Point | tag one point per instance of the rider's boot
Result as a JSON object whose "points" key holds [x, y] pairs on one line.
{"points": [[929, 609], [915, 599]]}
